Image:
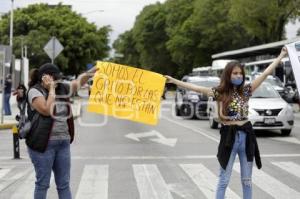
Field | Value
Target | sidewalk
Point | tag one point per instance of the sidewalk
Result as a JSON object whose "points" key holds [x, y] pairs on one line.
{"points": [[9, 120]]}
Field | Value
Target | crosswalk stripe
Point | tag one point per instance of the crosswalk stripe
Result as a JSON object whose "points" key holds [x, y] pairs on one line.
{"points": [[205, 180], [270, 185], [150, 183], [289, 167], [26, 190], [93, 183], [6, 182], [4, 171]]}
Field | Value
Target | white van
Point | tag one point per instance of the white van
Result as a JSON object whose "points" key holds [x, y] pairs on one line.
{"points": [[218, 65]]}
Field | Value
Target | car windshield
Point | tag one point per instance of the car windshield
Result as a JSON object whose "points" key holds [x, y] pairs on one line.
{"points": [[206, 83], [274, 81], [265, 91]]}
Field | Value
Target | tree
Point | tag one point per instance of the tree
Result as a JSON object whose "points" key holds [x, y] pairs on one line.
{"points": [[151, 37], [265, 20], [144, 46], [182, 34], [125, 50], [207, 30], [83, 42], [179, 44]]}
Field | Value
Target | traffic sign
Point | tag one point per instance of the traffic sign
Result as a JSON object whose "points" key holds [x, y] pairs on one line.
{"points": [[53, 48]]}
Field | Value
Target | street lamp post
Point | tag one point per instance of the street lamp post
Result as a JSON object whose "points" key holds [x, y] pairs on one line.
{"points": [[11, 24], [11, 34]]}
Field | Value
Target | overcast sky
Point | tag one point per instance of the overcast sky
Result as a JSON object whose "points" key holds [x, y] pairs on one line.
{"points": [[120, 14]]}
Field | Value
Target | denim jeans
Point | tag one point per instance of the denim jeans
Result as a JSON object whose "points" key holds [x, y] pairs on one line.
{"points": [[7, 110], [56, 158], [246, 168]]}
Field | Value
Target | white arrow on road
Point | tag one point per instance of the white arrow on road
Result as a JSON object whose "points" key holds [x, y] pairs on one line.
{"points": [[160, 138]]}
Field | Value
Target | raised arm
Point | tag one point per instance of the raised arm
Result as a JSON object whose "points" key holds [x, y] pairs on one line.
{"points": [[200, 89], [268, 71], [82, 79]]}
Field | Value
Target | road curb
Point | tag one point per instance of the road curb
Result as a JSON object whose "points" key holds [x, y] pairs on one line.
{"points": [[7, 125]]}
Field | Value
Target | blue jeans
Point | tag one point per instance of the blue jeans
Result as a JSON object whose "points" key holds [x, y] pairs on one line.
{"points": [[56, 158], [246, 168], [7, 110]]}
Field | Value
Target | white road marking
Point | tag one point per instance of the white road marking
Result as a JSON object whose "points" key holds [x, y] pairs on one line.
{"points": [[270, 185], [5, 182], [93, 183], [287, 139], [4, 171], [150, 183], [26, 189], [205, 180], [182, 190], [289, 167], [187, 157], [213, 138], [160, 138]]}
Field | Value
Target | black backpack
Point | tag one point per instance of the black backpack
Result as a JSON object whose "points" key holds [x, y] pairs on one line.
{"points": [[26, 121]]}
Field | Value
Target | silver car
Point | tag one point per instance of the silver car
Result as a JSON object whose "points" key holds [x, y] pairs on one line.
{"points": [[267, 110]]}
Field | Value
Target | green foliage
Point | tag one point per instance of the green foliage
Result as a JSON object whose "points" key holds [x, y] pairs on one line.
{"points": [[125, 50], [265, 20], [35, 25], [174, 37], [151, 37]]}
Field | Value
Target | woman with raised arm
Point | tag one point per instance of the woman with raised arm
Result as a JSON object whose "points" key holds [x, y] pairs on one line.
{"points": [[52, 130], [237, 136]]}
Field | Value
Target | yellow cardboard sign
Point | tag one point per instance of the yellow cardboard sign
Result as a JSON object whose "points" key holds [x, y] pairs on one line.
{"points": [[126, 92]]}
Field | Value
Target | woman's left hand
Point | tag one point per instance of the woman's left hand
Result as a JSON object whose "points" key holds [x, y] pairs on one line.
{"points": [[283, 52], [92, 71]]}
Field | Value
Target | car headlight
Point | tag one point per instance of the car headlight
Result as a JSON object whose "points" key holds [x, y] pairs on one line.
{"points": [[193, 97], [252, 112]]}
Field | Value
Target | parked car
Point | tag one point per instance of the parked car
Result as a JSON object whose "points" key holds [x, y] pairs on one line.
{"points": [[191, 104], [267, 110]]}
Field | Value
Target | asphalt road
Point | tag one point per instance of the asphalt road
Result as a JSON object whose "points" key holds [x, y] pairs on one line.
{"points": [[119, 159]]}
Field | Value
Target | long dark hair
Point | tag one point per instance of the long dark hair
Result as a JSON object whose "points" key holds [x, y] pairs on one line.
{"points": [[226, 87], [34, 77]]}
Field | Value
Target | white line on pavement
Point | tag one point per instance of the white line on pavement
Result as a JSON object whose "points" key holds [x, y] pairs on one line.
{"points": [[94, 182], [150, 183], [193, 129], [205, 180], [26, 189], [289, 167], [270, 185], [287, 139], [156, 157], [7, 182], [4, 171]]}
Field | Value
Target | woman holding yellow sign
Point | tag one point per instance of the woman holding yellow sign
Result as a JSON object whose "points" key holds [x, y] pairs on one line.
{"points": [[237, 136], [52, 128]]}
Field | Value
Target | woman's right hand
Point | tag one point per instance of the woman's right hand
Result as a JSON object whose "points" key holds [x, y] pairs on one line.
{"points": [[48, 82]]}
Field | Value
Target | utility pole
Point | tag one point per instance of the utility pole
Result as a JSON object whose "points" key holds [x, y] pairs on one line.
{"points": [[11, 31]]}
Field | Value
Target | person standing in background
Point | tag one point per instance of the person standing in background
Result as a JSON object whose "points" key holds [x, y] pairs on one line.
{"points": [[7, 93]]}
